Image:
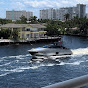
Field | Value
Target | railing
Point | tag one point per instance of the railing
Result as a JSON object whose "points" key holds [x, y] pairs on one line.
{"points": [[72, 83]]}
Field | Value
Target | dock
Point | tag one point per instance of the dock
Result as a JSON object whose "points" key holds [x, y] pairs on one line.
{"points": [[32, 40]]}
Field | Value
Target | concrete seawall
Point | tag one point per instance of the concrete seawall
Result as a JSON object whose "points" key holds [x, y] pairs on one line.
{"points": [[38, 40]]}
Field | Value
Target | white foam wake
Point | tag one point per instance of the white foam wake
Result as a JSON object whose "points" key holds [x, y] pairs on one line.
{"points": [[6, 64], [80, 51], [72, 63], [18, 57], [23, 68]]}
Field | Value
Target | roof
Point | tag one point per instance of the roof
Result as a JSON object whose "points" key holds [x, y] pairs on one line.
{"points": [[75, 28], [15, 25], [37, 25], [23, 25]]}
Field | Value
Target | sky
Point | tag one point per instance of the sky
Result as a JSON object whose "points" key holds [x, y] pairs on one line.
{"points": [[36, 5]]}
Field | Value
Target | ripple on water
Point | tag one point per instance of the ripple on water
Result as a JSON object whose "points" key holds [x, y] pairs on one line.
{"points": [[19, 63]]}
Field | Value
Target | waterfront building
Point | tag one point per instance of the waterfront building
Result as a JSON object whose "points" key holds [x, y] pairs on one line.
{"points": [[44, 14], [27, 31], [15, 15], [51, 14], [58, 14], [62, 12], [81, 10], [48, 14], [86, 15]]}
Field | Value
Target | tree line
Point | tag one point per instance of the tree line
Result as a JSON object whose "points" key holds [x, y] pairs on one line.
{"points": [[9, 34], [53, 27]]}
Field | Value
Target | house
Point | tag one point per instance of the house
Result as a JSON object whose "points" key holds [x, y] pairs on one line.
{"points": [[27, 31]]}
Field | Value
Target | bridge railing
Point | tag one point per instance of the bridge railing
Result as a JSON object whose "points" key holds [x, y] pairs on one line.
{"points": [[72, 83]]}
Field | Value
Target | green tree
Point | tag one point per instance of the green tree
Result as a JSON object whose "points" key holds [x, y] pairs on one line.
{"points": [[52, 29], [23, 19], [84, 28], [33, 19], [67, 16], [5, 33], [15, 34], [5, 21]]}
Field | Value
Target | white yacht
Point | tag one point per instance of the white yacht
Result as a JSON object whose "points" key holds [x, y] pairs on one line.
{"points": [[47, 51]]}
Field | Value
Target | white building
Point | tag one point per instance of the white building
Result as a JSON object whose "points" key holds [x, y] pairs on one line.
{"points": [[51, 14], [74, 12], [29, 14], [86, 15], [81, 10], [48, 14], [58, 14], [44, 14], [15, 15], [62, 12]]}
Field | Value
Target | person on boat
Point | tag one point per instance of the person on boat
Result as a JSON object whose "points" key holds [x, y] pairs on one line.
{"points": [[57, 44]]}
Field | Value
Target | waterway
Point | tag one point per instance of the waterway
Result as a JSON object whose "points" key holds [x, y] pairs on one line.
{"points": [[16, 70]]}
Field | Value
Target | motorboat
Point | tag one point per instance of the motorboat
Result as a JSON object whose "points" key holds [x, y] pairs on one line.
{"points": [[48, 51]]}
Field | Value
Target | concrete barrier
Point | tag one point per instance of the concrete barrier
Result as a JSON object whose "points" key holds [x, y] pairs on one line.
{"points": [[72, 83]]}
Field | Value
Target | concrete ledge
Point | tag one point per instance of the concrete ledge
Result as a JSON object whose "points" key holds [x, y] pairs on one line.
{"points": [[72, 83]]}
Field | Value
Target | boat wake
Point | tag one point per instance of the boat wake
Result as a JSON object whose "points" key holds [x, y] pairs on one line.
{"points": [[80, 51], [20, 63], [78, 57]]}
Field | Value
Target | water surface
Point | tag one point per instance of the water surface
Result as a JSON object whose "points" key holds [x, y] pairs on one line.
{"points": [[17, 72]]}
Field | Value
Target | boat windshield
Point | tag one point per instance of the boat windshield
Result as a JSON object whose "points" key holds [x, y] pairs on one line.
{"points": [[53, 46], [48, 46]]}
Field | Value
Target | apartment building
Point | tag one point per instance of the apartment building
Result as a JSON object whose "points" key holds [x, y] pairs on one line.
{"points": [[15, 15], [81, 10], [44, 14], [58, 14], [48, 14]]}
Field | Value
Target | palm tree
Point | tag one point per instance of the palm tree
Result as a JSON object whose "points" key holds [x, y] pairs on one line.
{"points": [[35, 18], [66, 16]]}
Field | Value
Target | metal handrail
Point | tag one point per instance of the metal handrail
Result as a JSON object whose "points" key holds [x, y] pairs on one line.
{"points": [[72, 83]]}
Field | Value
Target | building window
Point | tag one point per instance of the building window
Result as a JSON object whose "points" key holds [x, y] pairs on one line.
{"points": [[27, 35], [41, 29], [23, 29], [41, 35], [28, 29], [36, 35], [22, 35]]}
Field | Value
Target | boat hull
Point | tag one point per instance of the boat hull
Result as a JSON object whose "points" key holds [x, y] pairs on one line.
{"points": [[48, 53]]}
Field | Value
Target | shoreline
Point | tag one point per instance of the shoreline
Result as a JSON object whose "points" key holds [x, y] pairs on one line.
{"points": [[42, 40], [48, 40], [76, 35]]}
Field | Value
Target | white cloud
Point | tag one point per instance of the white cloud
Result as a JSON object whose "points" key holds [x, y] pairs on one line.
{"points": [[17, 5], [20, 4], [52, 3], [38, 4]]}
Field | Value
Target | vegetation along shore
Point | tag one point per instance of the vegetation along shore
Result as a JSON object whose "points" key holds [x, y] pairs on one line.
{"points": [[43, 28]]}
